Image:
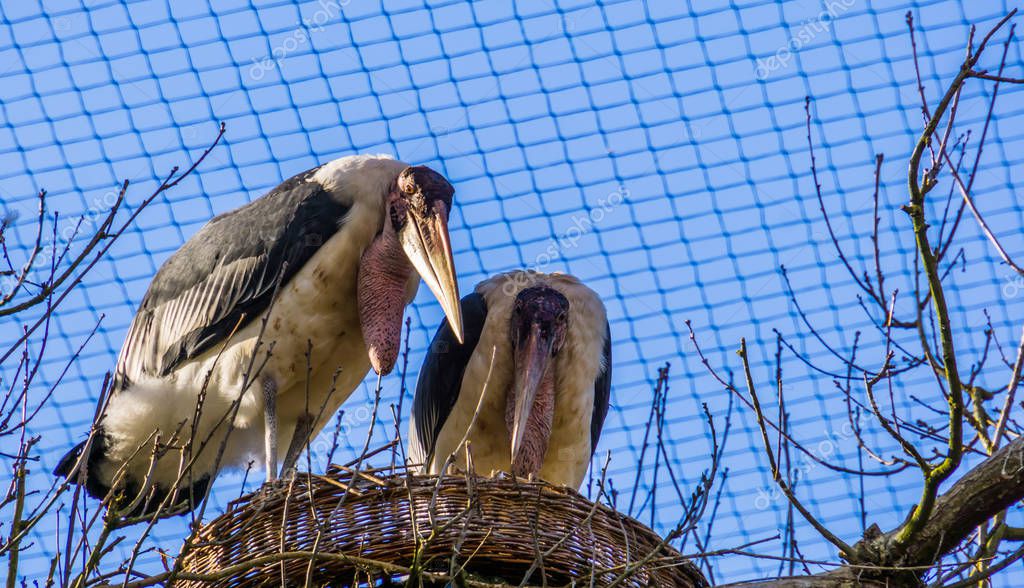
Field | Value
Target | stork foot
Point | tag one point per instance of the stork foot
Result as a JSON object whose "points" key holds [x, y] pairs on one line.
{"points": [[301, 437]]}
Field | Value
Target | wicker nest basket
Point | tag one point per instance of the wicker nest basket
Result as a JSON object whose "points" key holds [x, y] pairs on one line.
{"points": [[472, 531]]}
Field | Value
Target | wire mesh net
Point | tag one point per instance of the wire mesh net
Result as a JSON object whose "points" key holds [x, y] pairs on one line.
{"points": [[657, 150]]}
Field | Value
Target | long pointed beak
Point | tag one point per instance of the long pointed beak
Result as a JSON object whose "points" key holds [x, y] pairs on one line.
{"points": [[426, 243], [531, 361]]}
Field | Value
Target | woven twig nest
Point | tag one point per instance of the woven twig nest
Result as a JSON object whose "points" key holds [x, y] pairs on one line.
{"points": [[468, 530]]}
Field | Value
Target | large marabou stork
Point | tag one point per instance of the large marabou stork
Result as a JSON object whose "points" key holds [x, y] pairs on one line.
{"points": [[322, 265], [550, 379]]}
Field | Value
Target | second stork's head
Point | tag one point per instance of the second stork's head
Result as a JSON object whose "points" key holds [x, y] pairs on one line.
{"points": [[539, 322]]}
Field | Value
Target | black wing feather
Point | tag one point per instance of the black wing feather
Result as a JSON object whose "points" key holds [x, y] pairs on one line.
{"points": [[225, 275], [443, 368], [602, 392]]}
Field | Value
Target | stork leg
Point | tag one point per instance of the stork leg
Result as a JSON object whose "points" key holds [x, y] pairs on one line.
{"points": [[303, 429], [270, 427]]}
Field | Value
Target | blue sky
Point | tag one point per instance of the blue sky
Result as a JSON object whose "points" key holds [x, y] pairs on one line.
{"points": [[666, 139]]}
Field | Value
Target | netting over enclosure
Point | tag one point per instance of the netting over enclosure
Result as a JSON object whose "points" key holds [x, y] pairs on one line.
{"points": [[657, 150]]}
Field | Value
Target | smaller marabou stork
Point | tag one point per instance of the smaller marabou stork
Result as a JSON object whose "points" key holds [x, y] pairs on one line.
{"points": [[549, 386], [254, 332]]}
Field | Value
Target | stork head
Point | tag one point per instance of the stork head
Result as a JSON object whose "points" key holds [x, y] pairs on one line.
{"points": [[539, 319], [418, 209]]}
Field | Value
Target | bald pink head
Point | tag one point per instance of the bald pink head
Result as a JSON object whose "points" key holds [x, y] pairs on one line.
{"points": [[414, 237], [538, 327]]}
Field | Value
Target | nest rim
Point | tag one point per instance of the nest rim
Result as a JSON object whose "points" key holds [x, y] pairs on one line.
{"points": [[495, 530]]}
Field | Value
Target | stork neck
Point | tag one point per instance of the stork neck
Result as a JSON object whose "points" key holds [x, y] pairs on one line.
{"points": [[384, 272], [538, 425]]}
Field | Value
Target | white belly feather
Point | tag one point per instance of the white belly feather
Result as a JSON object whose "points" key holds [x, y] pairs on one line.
{"points": [[317, 305], [576, 369]]}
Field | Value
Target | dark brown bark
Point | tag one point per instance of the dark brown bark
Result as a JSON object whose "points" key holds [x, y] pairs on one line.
{"points": [[986, 490], [993, 486], [841, 578]]}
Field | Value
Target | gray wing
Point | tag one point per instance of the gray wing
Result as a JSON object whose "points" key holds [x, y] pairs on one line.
{"points": [[441, 375], [602, 392], [225, 276]]}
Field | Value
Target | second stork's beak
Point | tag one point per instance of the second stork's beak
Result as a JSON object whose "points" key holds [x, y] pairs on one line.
{"points": [[426, 243], [531, 361]]}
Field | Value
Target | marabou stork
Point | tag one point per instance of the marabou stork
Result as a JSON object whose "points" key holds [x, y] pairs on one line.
{"points": [[322, 265], [549, 386]]}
